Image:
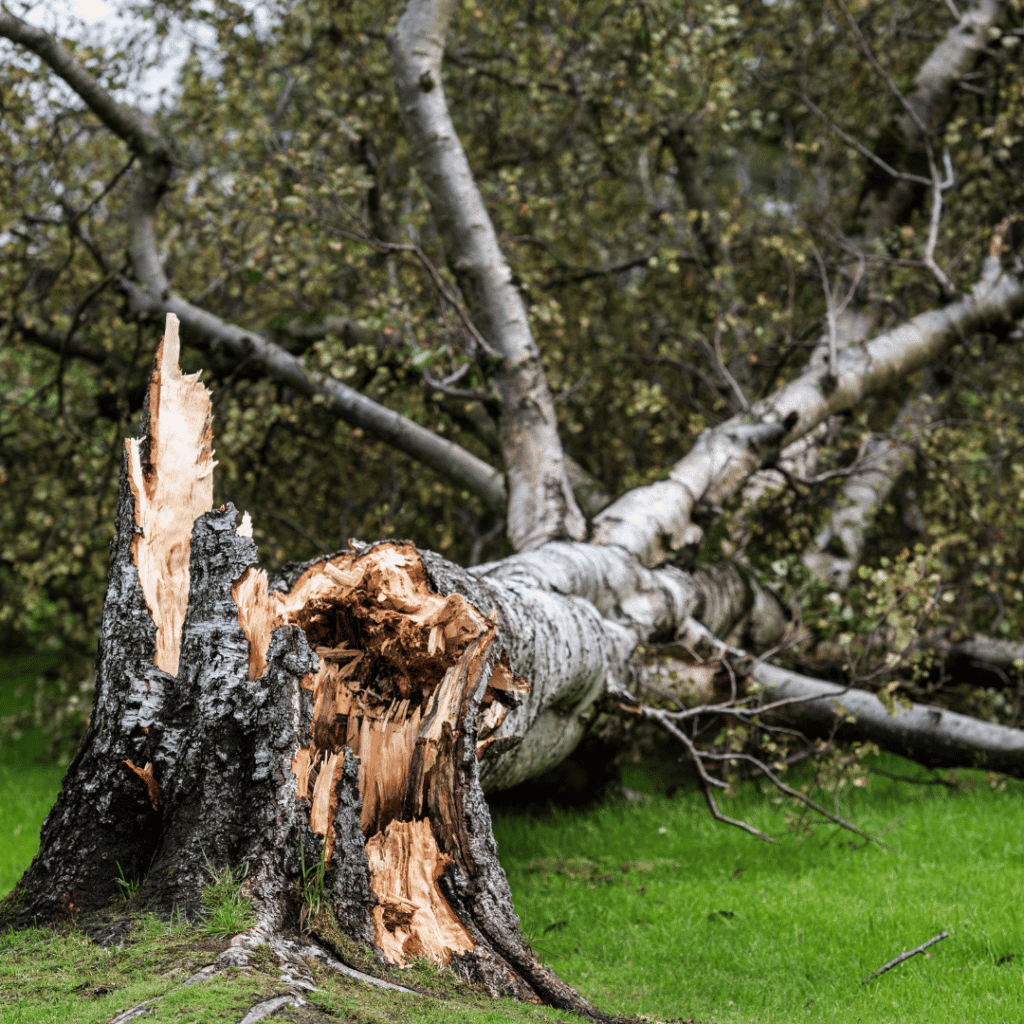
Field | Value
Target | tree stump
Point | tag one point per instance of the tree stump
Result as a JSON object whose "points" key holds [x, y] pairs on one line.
{"points": [[326, 722]]}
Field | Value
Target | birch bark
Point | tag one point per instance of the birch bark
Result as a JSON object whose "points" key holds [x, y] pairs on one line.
{"points": [[541, 506]]}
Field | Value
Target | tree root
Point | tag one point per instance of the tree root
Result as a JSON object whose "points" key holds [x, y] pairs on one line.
{"points": [[296, 978]]}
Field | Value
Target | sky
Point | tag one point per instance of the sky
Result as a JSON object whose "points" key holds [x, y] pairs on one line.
{"points": [[94, 21]]}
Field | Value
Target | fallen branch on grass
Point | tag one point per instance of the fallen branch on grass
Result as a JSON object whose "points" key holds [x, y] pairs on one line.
{"points": [[906, 956]]}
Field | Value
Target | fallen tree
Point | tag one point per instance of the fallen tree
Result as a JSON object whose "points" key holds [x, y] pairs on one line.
{"points": [[346, 715], [352, 707]]}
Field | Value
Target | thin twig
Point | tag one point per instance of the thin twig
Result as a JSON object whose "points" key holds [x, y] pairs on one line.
{"points": [[435, 275], [707, 781], [893, 88], [916, 179], [831, 474], [794, 793], [445, 387], [830, 315], [723, 369], [906, 956], [938, 187]]}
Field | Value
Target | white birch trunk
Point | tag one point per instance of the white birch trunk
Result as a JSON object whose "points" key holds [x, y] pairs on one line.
{"points": [[541, 505]]}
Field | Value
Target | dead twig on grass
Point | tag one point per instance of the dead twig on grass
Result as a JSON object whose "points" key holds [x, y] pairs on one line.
{"points": [[906, 956]]}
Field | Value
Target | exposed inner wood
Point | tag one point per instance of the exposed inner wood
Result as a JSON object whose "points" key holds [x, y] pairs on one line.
{"points": [[171, 490], [254, 616], [412, 918], [399, 665], [148, 780]]}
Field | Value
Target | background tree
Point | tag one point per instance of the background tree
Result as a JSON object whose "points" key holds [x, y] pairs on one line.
{"points": [[673, 193]]}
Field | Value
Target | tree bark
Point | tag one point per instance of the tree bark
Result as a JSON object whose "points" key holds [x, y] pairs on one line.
{"points": [[541, 505], [839, 545], [651, 521], [932, 736], [337, 719]]}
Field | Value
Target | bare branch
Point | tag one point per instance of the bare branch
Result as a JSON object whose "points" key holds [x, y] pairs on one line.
{"points": [[893, 88], [444, 456], [915, 179], [830, 313], [906, 956], [936, 184], [981, 649], [708, 782], [741, 398]]}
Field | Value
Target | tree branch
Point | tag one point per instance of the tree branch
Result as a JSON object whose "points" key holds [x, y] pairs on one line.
{"points": [[541, 503], [134, 127], [984, 650], [883, 462], [651, 521], [156, 297], [932, 736], [445, 457]]}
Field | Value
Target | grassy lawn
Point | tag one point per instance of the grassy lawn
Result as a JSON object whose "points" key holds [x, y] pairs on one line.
{"points": [[647, 908], [654, 908], [29, 781]]}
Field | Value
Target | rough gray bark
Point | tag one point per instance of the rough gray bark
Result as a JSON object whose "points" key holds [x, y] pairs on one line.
{"points": [[221, 739], [541, 505]]}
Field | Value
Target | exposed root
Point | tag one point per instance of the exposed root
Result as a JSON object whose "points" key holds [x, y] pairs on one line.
{"points": [[269, 1006], [135, 1011], [291, 957]]}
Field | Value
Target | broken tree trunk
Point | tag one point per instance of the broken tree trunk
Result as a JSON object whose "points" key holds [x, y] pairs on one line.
{"points": [[334, 720]]}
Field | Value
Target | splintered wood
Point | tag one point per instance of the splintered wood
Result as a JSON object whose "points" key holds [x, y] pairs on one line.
{"points": [[254, 615], [412, 917], [399, 668], [170, 473]]}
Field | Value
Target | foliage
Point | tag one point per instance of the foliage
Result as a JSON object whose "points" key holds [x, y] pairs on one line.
{"points": [[662, 194]]}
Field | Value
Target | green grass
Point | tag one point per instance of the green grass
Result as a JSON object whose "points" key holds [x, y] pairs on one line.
{"points": [[29, 781], [654, 908], [226, 909], [649, 908]]}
